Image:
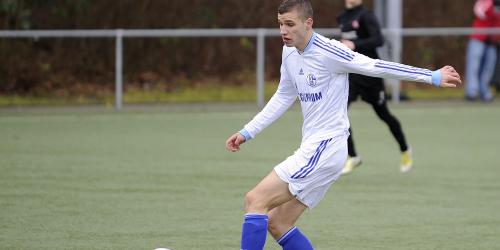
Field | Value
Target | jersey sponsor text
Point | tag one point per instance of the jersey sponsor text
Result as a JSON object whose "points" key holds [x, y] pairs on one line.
{"points": [[310, 97]]}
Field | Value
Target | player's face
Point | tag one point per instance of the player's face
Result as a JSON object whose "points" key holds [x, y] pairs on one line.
{"points": [[294, 29], [349, 4]]}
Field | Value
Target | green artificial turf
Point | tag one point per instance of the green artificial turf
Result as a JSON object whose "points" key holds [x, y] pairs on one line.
{"points": [[142, 179]]}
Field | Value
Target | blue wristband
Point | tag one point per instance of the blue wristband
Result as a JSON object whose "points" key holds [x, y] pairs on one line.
{"points": [[436, 78], [245, 134]]}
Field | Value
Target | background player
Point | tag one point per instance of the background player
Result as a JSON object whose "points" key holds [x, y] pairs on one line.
{"points": [[315, 70], [361, 33]]}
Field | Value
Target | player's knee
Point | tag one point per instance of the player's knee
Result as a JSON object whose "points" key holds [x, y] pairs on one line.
{"points": [[251, 201], [256, 203]]}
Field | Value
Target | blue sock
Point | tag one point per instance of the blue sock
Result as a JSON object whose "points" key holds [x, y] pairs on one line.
{"points": [[295, 240], [254, 233]]}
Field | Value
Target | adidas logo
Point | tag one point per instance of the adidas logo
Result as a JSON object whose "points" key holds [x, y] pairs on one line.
{"points": [[301, 73]]}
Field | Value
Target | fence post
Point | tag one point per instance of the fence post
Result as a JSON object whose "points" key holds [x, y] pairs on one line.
{"points": [[261, 36], [394, 23], [119, 70]]}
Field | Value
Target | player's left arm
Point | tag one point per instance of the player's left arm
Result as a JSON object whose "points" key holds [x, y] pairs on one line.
{"points": [[449, 77], [357, 63]]}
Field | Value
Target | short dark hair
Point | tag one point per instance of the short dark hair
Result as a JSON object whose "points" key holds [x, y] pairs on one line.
{"points": [[304, 7]]}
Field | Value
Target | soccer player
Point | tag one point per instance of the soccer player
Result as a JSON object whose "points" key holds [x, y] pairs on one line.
{"points": [[315, 70], [361, 33]]}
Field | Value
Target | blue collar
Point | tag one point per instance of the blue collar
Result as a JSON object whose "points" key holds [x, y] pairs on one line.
{"points": [[309, 44]]}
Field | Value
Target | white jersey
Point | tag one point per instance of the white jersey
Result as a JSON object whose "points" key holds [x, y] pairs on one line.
{"points": [[318, 78]]}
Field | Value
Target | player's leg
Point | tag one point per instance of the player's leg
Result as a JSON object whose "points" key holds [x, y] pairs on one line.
{"points": [[281, 226], [374, 94], [269, 193], [406, 160], [379, 104], [393, 123], [351, 150], [309, 172], [353, 160], [353, 95]]}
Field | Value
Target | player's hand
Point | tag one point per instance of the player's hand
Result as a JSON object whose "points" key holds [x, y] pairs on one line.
{"points": [[349, 44], [234, 142], [449, 77]]}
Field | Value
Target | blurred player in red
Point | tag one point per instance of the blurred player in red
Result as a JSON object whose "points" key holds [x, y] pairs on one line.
{"points": [[482, 51]]}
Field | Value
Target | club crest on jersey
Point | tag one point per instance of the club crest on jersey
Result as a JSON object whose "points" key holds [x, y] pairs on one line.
{"points": [[311, 80]]}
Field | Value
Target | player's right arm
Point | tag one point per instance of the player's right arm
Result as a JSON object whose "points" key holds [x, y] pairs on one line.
{"points": [[285, 96], [234, 141]]}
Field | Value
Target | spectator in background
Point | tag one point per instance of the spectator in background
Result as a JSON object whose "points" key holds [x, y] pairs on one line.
{"points": [[495, 81], [482, 51]]}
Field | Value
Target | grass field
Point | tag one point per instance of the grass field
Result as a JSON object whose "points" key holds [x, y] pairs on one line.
{"points": [[160, 177]]}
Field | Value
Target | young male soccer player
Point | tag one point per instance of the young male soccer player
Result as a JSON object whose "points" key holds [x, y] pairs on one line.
{"points": [[361, 33], [315, 70]]}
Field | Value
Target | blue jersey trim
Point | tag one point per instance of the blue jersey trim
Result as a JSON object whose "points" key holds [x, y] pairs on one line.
{"points": [[245, 134], [402, 66], [282, 238], [436, 78], [256, 216], [397, 68], [295, 175], [333, 52], [336, 48]]}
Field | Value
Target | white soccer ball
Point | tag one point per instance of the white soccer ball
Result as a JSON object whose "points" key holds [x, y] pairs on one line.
{"points": [[162, 249]]}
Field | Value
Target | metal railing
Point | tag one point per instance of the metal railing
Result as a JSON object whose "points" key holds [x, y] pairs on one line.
{"points": [[259, 33]]}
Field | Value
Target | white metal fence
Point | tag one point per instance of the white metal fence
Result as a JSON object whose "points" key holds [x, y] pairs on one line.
{"points": [[260, 34]]}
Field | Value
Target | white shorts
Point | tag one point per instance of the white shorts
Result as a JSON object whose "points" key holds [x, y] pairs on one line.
{"points": [[311, 170]]}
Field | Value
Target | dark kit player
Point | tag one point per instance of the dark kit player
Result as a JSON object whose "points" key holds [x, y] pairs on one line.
{"points": [[361, 33]]}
